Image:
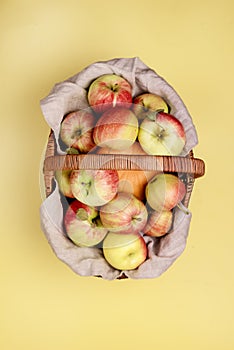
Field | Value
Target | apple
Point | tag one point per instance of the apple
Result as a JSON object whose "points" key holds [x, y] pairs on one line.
{"points": [[63, 179], [163, 136], [83, 225], [109, 90], [146, 104], [94, 187], [124, 252], [76, 130], [117, 128], [124, 214], [159, 223], [131, 181], [165, 191]]}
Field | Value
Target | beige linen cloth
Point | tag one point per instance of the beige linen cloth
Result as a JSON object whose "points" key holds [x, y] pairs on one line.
{"points": [[71, 95]]}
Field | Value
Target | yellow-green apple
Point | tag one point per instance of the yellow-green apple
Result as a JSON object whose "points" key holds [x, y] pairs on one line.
{"points": [[163, 136], [165, 191], [109, 90], [159, 223], [146, 104], [117, 128], [83, 225], [124, 252], [131, 181], [63, 179], [124, 214], [94, 187], [76, 130]]}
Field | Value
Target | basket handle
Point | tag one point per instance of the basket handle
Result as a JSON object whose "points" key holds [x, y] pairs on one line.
{"points": [[188, 165]]}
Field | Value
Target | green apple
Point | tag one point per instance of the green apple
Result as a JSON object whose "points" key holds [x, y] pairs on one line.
{"points": [[63, 179], [165, 191], [163, 136], [145, 105], [124, 251]]}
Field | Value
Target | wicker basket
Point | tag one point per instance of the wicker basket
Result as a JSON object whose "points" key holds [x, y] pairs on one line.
{"points": [[63, 99]]}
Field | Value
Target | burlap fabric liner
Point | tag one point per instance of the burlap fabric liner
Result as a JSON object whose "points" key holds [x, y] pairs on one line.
{"points": [[71, 95]]}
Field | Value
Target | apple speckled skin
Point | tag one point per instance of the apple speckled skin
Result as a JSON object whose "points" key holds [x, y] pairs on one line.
{"points": [[77, 130], [109, 90], [83, 225], [124, 214], [159, 223], [163, 136], [117, 128], [94, 187]]}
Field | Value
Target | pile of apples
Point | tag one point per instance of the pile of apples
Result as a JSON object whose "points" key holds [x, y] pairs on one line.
{"points": [[113, 209]]}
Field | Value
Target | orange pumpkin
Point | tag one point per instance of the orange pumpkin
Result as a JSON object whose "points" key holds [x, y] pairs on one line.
{"points": [[131, 181]]}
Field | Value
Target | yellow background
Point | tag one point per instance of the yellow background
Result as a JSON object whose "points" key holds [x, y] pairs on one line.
{"points": [[44, 305]]}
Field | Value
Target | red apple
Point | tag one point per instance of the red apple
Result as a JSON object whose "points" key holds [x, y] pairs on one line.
{"points": [[117, 128], [159, 223], [124, 252], [94, 187], [163, 136], [165, 191], [131, 181], [109, 90], [146, 104], [83, 225], [77, 130], [124, 214]]}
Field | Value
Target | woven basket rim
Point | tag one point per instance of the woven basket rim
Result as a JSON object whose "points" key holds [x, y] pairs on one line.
{"points": [[192, 167], [182, 164]]}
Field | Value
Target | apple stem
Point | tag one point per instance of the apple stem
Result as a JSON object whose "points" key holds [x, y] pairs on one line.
{"points": [[183, 209], [156, 114]]}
